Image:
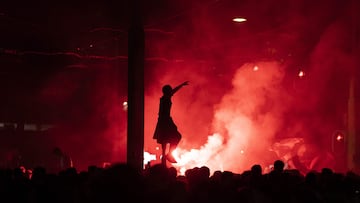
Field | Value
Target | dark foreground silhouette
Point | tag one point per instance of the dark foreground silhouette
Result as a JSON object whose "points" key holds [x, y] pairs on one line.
{"points": [[121, 183]]}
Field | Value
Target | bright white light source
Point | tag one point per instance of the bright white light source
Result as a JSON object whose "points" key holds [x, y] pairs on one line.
{"points": [[148, 157], [301, 74], [256, 68], [239, 20], [339, 137], [125, 105]]}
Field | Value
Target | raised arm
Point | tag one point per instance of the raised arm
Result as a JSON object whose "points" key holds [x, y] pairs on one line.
{"points": [[179, 86]]}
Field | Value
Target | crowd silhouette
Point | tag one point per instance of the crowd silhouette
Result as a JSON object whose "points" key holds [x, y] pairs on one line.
{"points": [[120, 182]]}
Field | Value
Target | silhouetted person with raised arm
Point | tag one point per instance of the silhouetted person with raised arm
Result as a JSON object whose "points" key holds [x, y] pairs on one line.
{"points": [[166, 131]]}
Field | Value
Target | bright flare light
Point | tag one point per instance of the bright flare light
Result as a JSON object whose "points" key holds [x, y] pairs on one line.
{"points": [[148, 157], [239, 20], [206, 155]]}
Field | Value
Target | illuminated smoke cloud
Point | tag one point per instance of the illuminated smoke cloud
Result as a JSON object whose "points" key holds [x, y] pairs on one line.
{"points": [[232, 113], [245, 121], [259, 107]]}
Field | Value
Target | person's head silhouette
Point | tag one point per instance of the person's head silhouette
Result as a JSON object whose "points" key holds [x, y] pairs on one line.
{"points": [[167, 90], [279, 165]]}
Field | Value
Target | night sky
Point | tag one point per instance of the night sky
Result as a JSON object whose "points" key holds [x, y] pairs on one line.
{"points": [[65, 64]]}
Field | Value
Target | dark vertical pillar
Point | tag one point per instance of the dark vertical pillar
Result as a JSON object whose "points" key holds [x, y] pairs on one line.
{"points": [[135, 131]]}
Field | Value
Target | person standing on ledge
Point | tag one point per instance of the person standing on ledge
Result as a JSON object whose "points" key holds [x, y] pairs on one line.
{"points": [[166, 131]]}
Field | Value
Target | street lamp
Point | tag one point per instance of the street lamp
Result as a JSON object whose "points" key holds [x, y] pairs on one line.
{"points": [[239, 19]]}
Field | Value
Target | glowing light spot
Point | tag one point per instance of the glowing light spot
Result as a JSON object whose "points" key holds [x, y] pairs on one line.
{"points": [[175, 154], [148, 157], [125, 105], [91, 45], [182, 170], [256, 68], [239, 20], [241, 151], [301, 74], [339, 137], [157, 148], [205, 155]]}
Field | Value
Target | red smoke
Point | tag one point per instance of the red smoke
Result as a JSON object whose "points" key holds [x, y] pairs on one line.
{"points": [[244, 123], [231, 115]]}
